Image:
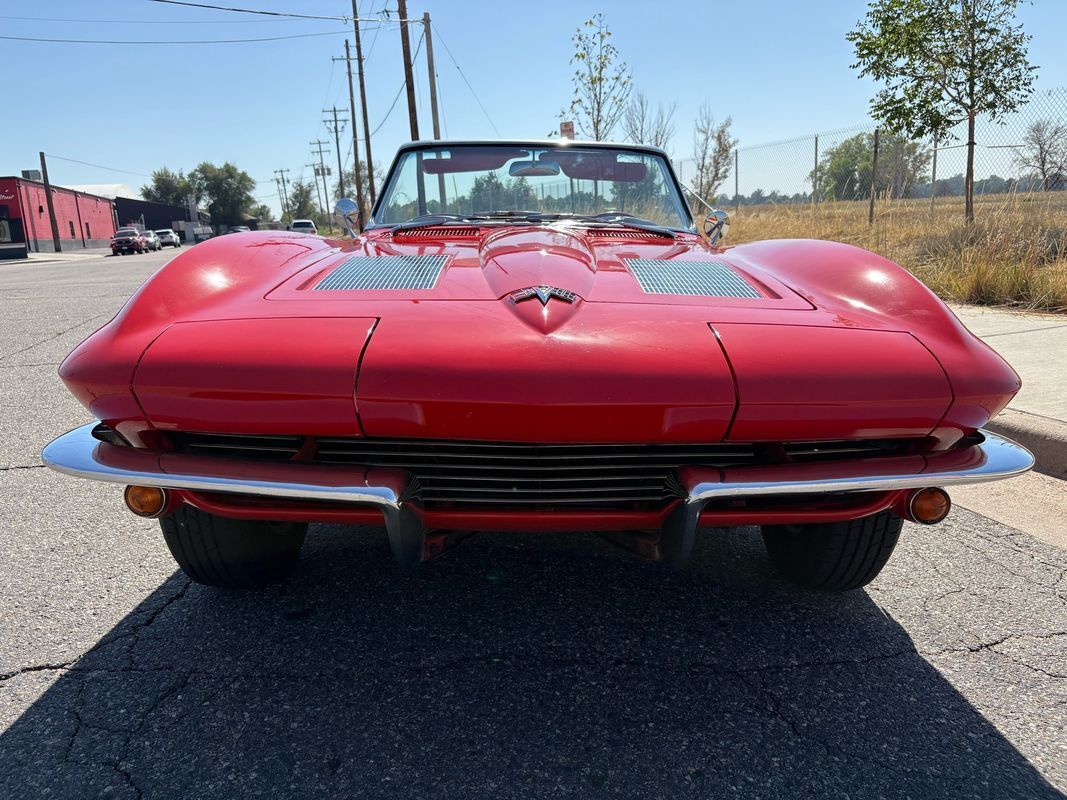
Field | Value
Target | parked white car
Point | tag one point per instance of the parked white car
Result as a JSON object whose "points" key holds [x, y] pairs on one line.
{"points": [[303, 226], [169, 237], [153, 240]]}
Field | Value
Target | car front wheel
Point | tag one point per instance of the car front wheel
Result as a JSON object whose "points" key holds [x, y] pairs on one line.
{"points": [[836, 556], [231, 553]]}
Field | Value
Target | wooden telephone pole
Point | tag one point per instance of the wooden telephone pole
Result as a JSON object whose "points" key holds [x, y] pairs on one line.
{"points": [[363, 102], [409, 79], [355, 137], [433, 75], [321, 169], [433, 104], [338, 123]]}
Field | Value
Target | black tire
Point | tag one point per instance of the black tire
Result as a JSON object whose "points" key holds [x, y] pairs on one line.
{"points": [[231, 553], [835, 556]]}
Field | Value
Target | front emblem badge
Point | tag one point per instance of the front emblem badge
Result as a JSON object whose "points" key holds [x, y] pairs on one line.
{"points": [[542, 293]]}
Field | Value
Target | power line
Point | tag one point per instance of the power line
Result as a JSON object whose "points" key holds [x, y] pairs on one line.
{"points": [[172, 41], [452, 58], [150, 21], [261, 12], [246, 10], [98, 166], [385, 10]]}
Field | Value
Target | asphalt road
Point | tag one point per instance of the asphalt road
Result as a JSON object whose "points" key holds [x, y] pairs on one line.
{"points": [[517, 666]]}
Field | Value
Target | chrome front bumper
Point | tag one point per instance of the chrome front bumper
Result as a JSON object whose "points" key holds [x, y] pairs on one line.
{"points": [[78, 453]]}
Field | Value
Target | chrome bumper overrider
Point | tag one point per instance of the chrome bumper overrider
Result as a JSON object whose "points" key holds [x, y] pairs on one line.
{"points": [[78, 453]]}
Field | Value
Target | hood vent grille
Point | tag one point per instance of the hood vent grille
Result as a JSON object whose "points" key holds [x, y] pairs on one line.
{"points": [[383, 272], [701, 278]]}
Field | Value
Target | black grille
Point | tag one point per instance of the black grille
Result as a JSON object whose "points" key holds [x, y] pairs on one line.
{"points": [[497, 474]]}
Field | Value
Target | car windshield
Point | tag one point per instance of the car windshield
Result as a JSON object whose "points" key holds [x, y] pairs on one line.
{"points": [[164, 233], [126, 232], [542, 182]]}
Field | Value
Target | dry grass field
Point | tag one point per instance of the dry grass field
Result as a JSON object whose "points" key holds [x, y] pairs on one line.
{"points": [[1014, 255]]}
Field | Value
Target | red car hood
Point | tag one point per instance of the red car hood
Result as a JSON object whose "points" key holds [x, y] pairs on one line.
{"points": [[464, 359]]}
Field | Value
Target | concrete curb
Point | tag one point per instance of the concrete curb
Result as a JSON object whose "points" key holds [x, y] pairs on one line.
{"points": [[1045, 437]]}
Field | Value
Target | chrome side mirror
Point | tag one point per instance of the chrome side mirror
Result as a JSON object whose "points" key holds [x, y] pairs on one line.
{"points": [[716, 225], [348, 210]]}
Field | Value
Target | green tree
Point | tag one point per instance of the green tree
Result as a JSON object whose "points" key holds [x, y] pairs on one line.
{"points": [[227, 189], [844, 171], [171, 188], [601, 81], [943, 62], [262, 212], [350, 181], [302, 202]]}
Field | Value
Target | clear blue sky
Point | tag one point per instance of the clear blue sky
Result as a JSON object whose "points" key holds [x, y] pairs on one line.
{"points": [[780, 68]]}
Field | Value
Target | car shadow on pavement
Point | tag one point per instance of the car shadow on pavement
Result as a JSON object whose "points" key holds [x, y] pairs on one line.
{"points": [[516, 666]]}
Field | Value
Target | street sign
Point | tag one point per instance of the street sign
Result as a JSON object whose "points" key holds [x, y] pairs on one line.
{"points": [[566, 130]]}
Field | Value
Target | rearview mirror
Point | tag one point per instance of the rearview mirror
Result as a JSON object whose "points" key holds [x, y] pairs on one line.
{"points": [[716, 225], [533, 169], [347, 209]]}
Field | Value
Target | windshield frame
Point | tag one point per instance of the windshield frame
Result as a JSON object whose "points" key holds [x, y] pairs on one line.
{"points": [[413, 147]]}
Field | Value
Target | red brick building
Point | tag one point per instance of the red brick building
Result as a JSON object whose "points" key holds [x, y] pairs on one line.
{"points": [[85, 220]]}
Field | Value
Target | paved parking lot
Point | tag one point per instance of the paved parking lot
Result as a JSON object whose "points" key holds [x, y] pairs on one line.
{"points": [[517, 666]]}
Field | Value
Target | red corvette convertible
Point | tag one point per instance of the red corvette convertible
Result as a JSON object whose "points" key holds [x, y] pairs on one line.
{"points": [[533, 336]]}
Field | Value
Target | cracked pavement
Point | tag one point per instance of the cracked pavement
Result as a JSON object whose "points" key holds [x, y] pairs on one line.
{"points": [[516, 666]]}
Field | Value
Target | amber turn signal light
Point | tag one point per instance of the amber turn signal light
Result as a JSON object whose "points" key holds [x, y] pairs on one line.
{"points": [[929, 506], [145, 501]]}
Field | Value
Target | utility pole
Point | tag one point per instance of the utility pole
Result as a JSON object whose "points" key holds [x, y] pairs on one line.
{"points": [[51, 204], [283, 189], [433, 103], [318, 192], [322, 171], [363, 102], [337, 125], [409, 79], [355, 137], [433, 75]]}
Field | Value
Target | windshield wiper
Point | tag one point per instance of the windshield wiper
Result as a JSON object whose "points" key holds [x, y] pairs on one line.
{"points": [[612, 218], [429, 220]]}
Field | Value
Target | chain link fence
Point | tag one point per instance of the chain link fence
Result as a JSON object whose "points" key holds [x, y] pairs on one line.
{"points": [[1025, 152]]}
